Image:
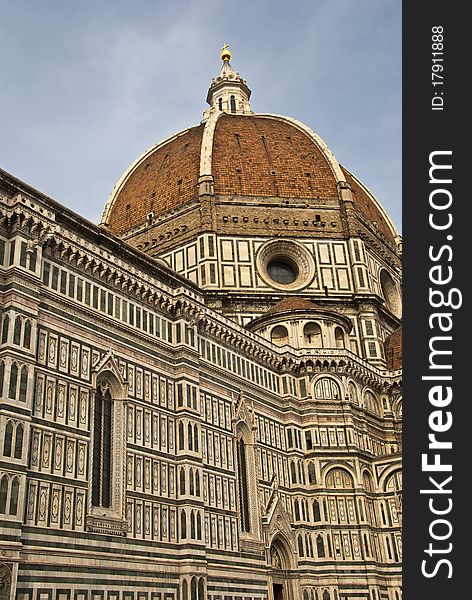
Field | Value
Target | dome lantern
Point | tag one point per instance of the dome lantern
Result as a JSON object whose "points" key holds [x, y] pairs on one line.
{"points": [[229, 91]]}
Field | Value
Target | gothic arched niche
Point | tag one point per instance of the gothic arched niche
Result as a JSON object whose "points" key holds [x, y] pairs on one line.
{"points": [[281, 554], [108, 448], [247, 479]]}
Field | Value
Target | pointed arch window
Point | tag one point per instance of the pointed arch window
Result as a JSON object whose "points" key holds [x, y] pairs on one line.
{"points": [[316, 511], [201, 589], [18, 441], [311, 473], [17, 331], [183, 524], [243, 486], [199, 527], [320, 547], [192, 525], [15, 488], [190, 436], [232, 103], [13, 381], [101, 466], [5, 327], [23, 384], [3, 494], [27, 335], [8, 438]]}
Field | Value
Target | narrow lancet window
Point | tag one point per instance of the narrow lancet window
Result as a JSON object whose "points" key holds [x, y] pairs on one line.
{"points": [[102, 447]]}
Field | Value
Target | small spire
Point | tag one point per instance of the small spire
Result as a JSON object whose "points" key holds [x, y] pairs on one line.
{"points": [[225, 53], [228, 91]]}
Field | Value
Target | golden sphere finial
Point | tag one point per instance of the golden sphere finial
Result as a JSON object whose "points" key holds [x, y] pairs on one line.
{"points": [[225, 53]]}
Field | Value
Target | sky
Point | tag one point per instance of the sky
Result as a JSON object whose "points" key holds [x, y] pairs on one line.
{"points": [[86, 87]]}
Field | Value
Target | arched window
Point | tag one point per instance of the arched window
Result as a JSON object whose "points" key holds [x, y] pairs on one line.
{"points": [[394, 482], [7, 440], [367, 481], [5, 327], [23, 384], [199, 526], [327, 389], [311, 473], [370, 403], [326, 595], [339, 479], [316, 511], [191, 482], [201, 588], [320, 548], [305, 594], [366, 545], [13, 381], [192, 525], [17, 331], [300, 546], [312, 335], [181, 436], [353, 393], [339, 337], [197, 483], [190, 436], [296, 509], [27, 335], [18, 441], [183, 524], [243, 485], [330, 550], [279, 335], [232, 103], [193, 589], [101, 464], [3, 494], [220, 103], [15, 487], [293, 472], [182, 481], [2, 376], [184, 590], [195, 438], [309, 545]]}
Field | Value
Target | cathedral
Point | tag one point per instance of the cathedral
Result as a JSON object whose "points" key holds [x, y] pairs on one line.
{"points": [[201, 395]]}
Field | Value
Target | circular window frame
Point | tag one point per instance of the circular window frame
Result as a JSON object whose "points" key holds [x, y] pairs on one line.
{"points": [[292, 253]]}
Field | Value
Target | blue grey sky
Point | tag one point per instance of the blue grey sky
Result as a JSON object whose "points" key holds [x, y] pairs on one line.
{"points": [[87, 86]]}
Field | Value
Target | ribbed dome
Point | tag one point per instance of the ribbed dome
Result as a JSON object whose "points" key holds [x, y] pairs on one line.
{"points": [[246, 155]]}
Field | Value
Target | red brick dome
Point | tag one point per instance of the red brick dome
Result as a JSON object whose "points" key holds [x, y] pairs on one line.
{"points": [[248, 155], [393, 349]]}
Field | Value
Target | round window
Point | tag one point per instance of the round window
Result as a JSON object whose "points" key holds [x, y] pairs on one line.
{"points": [[285, 265], [282, 271]]}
